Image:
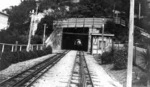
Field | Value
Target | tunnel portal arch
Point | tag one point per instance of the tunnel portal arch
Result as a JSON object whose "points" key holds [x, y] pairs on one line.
{"points": [[72, 35]]}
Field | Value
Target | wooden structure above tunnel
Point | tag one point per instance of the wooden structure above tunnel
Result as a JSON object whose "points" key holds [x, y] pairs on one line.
{"points": [[82, 22], [84, 29]]}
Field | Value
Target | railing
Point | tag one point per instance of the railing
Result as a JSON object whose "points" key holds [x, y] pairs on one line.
{"points": [[124, 23], [4, 47], [82, 22]]}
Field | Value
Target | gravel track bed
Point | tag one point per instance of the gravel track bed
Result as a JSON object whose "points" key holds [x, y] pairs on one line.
{"points": [[58, 75], [99, 76], [21, 66]]}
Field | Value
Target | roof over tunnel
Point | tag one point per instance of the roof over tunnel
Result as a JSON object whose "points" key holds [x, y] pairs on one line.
{"points": [[82, 22]]}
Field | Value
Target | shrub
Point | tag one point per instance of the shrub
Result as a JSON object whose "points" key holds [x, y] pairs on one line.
{"points": [[40, 53], [120, 59], [4, 64], [48, 50], [33, 54], [12, 56], [146, 56], [9, 58], [24, 55], [5, 61], [6, 55], [107, 57]]}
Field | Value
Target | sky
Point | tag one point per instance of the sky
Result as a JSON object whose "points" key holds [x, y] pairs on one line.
{"points": [[7, 3]]}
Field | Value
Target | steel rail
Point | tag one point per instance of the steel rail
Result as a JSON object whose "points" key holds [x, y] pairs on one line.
{"points": [[7, 80], [36, 69], [82, 73], [44, 71], [86, 65], [69, 82]]}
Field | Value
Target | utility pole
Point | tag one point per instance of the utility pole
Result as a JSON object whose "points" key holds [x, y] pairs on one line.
{"points": [[130, 45], [33, 14], [102, 38], [30, 31], [139, 11], [44, 34]]}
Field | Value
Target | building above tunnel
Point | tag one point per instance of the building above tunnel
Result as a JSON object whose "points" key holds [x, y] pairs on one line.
{"points": [[82, 22], [88, 30]]}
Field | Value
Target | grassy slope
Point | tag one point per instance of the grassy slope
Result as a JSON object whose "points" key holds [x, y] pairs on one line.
{"points": [[120, 75]]}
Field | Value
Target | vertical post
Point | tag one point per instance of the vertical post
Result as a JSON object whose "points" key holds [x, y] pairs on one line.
{"points": [[76, 22], [37, 7], [68, 23], [44, 35], [20, 47], [32, 47], [130, 45], [3, 47], [12, 49], [102, 48], [139, 16], [37, 47], [16, 45], [30, 31], [134, 60], [114, 8], [41, 47], [118, 45]]}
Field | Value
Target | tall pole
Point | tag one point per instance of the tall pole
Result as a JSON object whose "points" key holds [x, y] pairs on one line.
{"points": [[139, 10], [130, 44], [102, 38], [44, 34], [37, 7], [33, 14], [30, 31]]}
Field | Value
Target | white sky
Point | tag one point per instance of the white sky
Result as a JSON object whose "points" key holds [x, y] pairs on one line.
{"points": [[7, 3]]}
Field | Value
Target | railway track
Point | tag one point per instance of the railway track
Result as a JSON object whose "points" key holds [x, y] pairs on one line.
{"points": [[29, 76], [80, 73]]}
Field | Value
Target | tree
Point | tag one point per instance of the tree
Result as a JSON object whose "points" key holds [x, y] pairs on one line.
{"points": [[120, 32], [19, 17]]}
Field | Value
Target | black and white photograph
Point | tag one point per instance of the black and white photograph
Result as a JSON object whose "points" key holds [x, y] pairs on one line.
{"points": [[75, 43]]}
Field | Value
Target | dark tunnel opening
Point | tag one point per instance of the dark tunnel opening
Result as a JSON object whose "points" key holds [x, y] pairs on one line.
{"points": [[72, 36]]}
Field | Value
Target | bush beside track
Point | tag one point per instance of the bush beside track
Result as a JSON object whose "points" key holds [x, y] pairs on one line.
{"points": [[9, 58], [116, 57]]}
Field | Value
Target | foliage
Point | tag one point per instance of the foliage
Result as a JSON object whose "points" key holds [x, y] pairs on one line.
{"points": [[7, 36], [9, 58], [120, 59], [120, 32], [107, 57], [146, 56]]}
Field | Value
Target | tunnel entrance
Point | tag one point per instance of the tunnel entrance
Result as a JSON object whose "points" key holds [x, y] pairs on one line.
{"points": [[75, 39]]}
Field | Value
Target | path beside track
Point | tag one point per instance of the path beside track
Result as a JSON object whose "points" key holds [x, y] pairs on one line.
{"points": [[99, 76], [58, 76]]}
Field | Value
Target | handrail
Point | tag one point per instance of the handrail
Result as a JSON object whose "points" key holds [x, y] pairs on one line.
{"points": [[123, 23], [14, 47], [18, 44]]}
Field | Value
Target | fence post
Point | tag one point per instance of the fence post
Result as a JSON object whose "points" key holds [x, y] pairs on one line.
{"points": [[3, 47], [12, 49], [20, 47], [16, 45], [37, 47], [41, 47], [118, 45], [32, 47]]}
